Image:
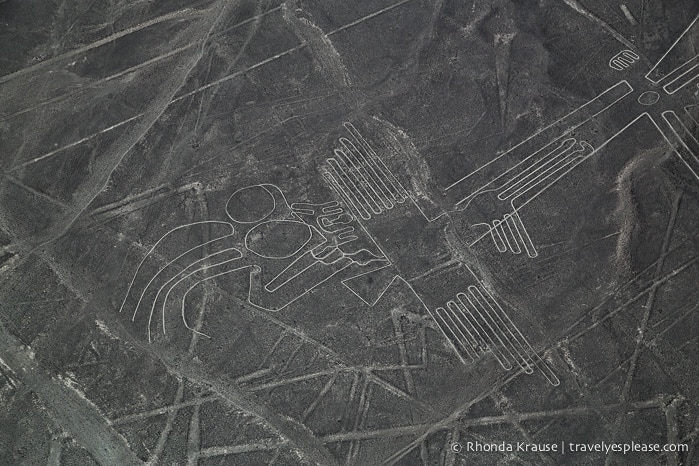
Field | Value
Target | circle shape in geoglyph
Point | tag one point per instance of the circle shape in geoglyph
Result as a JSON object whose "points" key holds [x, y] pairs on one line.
{"points": [[648, 98], [250, 205], [278, 239]]}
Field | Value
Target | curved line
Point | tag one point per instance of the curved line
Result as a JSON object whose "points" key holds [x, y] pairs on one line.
{"points": [[184, 297], [310, 207], [480, 331], [335, 186], [128, 291], [508, 221], [503, 234], [456, 337], [571, 160], [143, 293], [335, 211], [539, 169], [534, 167], [274, 203], [173, 287], [614, 66], [493, 232], [458, 325], [310, 229], [523, 234], [626, 62], [399, 195], [468, 199], [290, 266], [157, 295]]}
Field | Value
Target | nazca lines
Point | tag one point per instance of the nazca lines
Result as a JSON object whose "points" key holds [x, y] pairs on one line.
{"points": [[506, 184], [472, 323], [199, 265], [687, 145], [562, 156], [674, 79], [361, 178], [310, 244], [510, 234], [623, 60], [363, 387], [683, 74], [476, 323], [554, 151], [297, 369]]}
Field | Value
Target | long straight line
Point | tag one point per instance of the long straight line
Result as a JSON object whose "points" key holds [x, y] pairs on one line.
{"points": [[179, 14]]}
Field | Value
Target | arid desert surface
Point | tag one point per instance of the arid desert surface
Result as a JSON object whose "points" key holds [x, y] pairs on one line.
{"points": [[325, 232]]}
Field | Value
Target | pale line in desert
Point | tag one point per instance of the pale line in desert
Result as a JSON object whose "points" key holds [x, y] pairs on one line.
{"points": [[454, 328], [298, 296], [595, 151], [551, 377], [668, 51], [527, 369], [167, 295], [623, 59], [263, 186], [347, 193], [295, 222], [158, 242], [538, 171], [500, 332], [362, 180], [356, 178], [511, 340], [570, 159], [399, 192], [494, 348], [533, 168], [693, 167], [359, 207], [590, 103], [272, 288], [374, 176], [163, 268], [184, 297], [672, 88], [475, 341]]}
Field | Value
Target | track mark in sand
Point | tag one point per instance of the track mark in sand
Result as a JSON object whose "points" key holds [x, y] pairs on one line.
{"points": [[583, 11], [78, 416], [179, 14], [115, 154]]}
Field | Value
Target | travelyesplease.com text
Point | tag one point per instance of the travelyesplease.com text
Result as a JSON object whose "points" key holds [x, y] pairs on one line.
{"points": [[564, 447]]}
